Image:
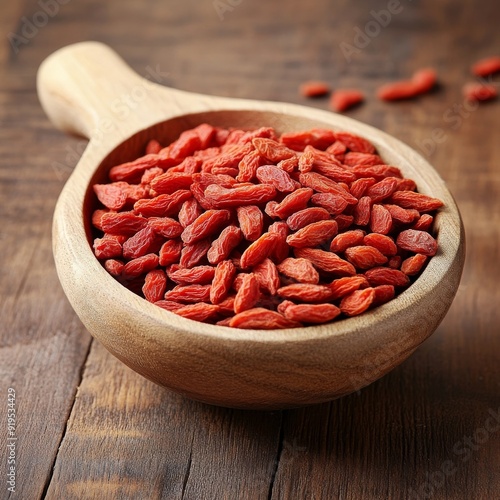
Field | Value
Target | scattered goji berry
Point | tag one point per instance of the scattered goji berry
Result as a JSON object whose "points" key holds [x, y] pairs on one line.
{"points": [[314, 88], [344, 99], [486, 67], [478, 92]]}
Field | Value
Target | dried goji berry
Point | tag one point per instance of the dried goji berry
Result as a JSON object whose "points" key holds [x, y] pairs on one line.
{"points": [[486, 67], [247, 167], [384, 244], [417, 241], [403, 215], [141, 265], [207, 224], [253, 194], [313, 234], [362, 211], [424, 222], [383, 293], [165, 226], [198, 312], [193, 253], [355, 143], [344, 99], [281, 248], [271, 174], [272, 150], [365, 257], [189, 293], [357, 302], [353, 158], [155, 285], [326, 261], [248, 294], [323, 184], [344, 286], [311, 313], [112, 196], [261, 319], [228, 240], [222, 281], [413, 265], [125, 223], [319, 138], [200, 275], [418, 201], [257, 251], [477, 92], [293, 202], [140, 243], [305, 292], [162, 205], [332, 203], [251, 221], [307, 216], [170, 182], [300, 270], [314, 88], [107, 248], [114, 267], [386, 276], [133, 170], [267, 276], [378, 172], [343, 241], [189, 212], [169, 305], [153, 147], [382, 189], [380, 219], [335, 172]]}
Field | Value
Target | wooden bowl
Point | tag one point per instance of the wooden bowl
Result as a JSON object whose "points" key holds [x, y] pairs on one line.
{"points": [[88, 90]]}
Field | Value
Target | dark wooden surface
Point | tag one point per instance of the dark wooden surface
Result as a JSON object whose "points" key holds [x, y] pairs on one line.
{"points": [[88, 427]]}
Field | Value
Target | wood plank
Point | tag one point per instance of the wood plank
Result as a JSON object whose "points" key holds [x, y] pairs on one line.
{"points": [[141, 441], [418, 432]]}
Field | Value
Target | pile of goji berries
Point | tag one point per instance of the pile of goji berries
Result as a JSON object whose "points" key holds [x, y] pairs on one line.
{"points": [[250, 230]]}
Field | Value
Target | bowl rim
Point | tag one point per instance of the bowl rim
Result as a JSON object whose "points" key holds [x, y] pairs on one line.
{"points": [[446, 221]]}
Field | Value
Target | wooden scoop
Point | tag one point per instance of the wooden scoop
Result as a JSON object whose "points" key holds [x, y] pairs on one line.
{"points": [[88, 90]]}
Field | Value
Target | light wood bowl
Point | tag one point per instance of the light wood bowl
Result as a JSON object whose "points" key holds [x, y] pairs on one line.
{"points": [[83, 89]]}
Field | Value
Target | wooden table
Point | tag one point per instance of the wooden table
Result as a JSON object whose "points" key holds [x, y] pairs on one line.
{"points": [[88, 427]]}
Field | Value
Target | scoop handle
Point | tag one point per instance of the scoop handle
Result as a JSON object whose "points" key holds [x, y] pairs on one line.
{"points": [[88, 90]]}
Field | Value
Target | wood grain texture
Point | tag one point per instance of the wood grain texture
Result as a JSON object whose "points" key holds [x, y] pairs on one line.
{"points": [[390, 440]]}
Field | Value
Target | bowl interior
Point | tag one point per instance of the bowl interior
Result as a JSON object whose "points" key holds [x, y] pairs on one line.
{"points": [[392, 151]]}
